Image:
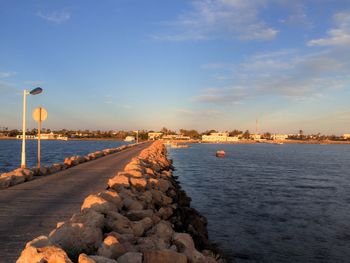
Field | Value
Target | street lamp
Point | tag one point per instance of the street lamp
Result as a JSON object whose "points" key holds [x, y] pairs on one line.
{"points": [[25, 93], [137, 136]]}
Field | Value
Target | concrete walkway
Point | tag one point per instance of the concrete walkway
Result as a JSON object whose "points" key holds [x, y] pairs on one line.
{"points": [[33, 208]]}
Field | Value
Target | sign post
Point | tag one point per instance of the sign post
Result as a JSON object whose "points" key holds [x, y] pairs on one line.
{"points": [[39, 115]]}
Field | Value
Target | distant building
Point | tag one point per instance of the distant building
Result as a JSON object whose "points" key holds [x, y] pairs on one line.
{"points": [[47, 136], [154, 135], [219, 137], [279, 137], [255, 136], [129, 139], [346, 136], [176, 137], [27, 136]]}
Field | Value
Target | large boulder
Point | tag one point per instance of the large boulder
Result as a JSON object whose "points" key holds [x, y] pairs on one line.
{"points": [[89, 217], [83, 258], [99, 204], [118, 223], [118, 182], [5, 181], [111, 248], [136, 215], [45, 254], [75, 238], [130, 257], [164, 256]]}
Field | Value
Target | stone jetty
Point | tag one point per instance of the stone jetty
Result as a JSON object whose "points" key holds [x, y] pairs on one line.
{"points": [[21, 175], [142, 216]]}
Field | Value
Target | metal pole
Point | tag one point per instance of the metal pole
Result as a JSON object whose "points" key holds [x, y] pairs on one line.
{"points": [[39, 129], [137, 137], [23, 160]]}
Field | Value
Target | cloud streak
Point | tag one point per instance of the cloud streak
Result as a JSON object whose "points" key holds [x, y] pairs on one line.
{"points": [[7, 74], [338, 36], [210, 19], [57, 17]]}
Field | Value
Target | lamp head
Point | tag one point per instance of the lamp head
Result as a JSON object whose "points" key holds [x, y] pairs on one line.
{"points": [[36, 91]]}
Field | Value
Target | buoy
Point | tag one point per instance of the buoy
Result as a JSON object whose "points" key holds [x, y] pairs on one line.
{"points": [[220, 153]]}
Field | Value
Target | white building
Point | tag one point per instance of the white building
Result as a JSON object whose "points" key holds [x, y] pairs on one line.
{"points": [[219, 137], [129, 139], [255, 137], [279, 137], [346, 136], [154, 135]]}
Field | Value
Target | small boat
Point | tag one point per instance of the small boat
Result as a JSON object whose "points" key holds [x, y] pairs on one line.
{"points": [[177, 145], [220, 153], [279, 143], [62, 138]]}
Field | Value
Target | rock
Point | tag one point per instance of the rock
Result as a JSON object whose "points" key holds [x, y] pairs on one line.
{"points": [[131, 204], [112, 196], [83, 258], [138, 228], [139, 183], [151, 243], [135, 215], [164, 256], [5, 181], [99, 204], [183, 241], [100, 259], [89, 217], [119, 181], [43, 171], [28, 174], [55, 168], [111, 248], [75, 238], [146, 197], [119, 223], [165, 212], [164, 185], [160, 199], [40, 241], [43, 254], [163, 230], [130, 257]]}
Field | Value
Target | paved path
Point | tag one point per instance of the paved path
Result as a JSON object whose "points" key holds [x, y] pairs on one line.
{"points": [[33, 208]]}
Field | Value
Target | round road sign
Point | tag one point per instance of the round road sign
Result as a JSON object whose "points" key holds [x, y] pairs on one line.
{"points": [[39, 114]]}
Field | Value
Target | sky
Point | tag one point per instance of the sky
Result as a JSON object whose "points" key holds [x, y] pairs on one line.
{"points": [[201, 64]]}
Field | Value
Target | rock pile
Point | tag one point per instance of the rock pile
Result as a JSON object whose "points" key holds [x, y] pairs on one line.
{"points": [[20, 175], [142, 216]]}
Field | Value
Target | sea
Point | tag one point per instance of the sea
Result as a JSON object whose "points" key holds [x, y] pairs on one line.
{"points": [[52, 151], [271, 203], [264, 202]]}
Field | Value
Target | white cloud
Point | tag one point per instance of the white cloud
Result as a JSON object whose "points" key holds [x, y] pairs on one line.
{"points": [[211, 19], [287, 74], [7, 74], [338, 36], [57, 17]]}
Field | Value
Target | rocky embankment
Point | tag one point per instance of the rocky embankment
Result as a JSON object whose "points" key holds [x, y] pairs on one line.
{"points": [[142, 216], [20, 175]]}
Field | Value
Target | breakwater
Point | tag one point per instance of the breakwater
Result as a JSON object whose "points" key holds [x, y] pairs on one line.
{"points": [[143, 216], [21, 175]]}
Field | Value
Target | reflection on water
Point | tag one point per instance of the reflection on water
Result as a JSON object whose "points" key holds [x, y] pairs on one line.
{"points": [[51, 151], [272, 203]]}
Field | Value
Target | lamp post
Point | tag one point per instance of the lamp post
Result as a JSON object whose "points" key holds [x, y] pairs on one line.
{"points": [[137, 136], [25, 93]]}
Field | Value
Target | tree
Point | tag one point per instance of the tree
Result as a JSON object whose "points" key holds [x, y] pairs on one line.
{"points": [[301, 134], [246, 135], [235, 133]]}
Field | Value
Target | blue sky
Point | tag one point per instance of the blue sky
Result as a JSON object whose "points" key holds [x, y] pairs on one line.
{"points": [[130, 64]]}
